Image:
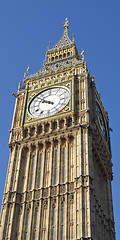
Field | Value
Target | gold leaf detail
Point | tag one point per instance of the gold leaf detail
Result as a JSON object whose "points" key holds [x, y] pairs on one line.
{"points": [[66, 108], [32, 95], [29, 118]]}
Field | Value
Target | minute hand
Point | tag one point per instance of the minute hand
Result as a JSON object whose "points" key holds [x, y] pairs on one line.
{"points": [[45, 101]]}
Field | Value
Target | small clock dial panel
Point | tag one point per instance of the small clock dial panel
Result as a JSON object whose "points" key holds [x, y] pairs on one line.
{"points": [[49, 102], [101, 121]]}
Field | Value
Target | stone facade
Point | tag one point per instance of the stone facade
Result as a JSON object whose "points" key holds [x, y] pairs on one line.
{"points": [[58, 183]]}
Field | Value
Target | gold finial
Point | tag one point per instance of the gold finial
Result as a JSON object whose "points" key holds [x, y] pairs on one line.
{"points": [[82, 54], [49, 45], [24, 75], [66, 23], [73, 36], [27, 69], [19, 86]]}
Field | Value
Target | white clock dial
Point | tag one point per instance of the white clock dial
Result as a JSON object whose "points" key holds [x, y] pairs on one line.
{"points": [[49, 102]]}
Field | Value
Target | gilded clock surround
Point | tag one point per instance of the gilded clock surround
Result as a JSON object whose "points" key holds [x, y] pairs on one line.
{"points": [[33, 93], [58, 184]]}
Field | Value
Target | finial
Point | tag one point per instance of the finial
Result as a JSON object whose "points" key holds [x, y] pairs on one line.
{"points": [[19, 86], [82, 54], [49, 45], [24, 75], [93, 78], [27, 69], [66, 23], [73, 36]]}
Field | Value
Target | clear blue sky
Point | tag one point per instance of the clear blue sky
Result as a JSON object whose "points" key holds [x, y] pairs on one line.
{"points": [[25, 30]]}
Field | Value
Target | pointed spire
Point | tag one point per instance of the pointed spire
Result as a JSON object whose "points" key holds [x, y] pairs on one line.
{"points": [[64, 40]]}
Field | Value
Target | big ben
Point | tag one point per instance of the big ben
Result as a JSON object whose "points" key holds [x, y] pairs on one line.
{"points": [[58, 183]]}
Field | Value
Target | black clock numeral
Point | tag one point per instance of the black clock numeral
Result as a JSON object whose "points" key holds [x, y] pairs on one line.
{"points": [[41, 112]]}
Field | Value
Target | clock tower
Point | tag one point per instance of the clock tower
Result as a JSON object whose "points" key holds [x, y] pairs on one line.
{"points": [[58, 183]]}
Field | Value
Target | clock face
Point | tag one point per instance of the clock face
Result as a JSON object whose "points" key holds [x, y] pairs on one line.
{"points": [[101, 121], [49, 102]]}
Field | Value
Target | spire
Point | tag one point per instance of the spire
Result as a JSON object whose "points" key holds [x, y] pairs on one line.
{"points": [[64, 40], [63, 55]]}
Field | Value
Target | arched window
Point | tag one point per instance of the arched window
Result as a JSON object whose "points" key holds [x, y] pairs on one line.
{"points": [[35, 226], [63, 166], [62, 223], [53, 224], [32, 172], [27, 225], [56, 162], [40, 168]]}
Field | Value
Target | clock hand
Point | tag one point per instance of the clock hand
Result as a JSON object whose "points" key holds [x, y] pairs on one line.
{"points": [[49, 102], [45, 101]]}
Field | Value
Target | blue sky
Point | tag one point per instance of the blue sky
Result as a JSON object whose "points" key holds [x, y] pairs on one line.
{"points": [[26, 27]]}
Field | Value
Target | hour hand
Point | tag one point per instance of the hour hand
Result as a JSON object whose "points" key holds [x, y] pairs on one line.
{"points": [[49, 102]]}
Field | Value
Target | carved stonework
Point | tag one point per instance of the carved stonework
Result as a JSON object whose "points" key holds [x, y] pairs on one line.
{"points": [[13, 197], [54, 201], [62, 200], [54, 191], [71, 223], [36, 204], [37, 194], [71, 187], [22, 197], [21, 209], [45, 192], [71, 198], [29, 196], [28, 206], [45, 203], [62, 188]]}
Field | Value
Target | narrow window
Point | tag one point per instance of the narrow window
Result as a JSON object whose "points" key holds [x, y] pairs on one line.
{"points": [[56, 159], [53, 224], [62, 224], [27, 224], [32, 171], [35, 229], [40, 168], [63, 173], [54, 125]]}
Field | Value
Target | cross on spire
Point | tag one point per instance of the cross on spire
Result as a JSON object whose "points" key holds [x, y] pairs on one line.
{"points": [[66, 23]]}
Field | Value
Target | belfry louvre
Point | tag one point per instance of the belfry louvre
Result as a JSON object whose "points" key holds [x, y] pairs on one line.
{"points": [[58, 183]]}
